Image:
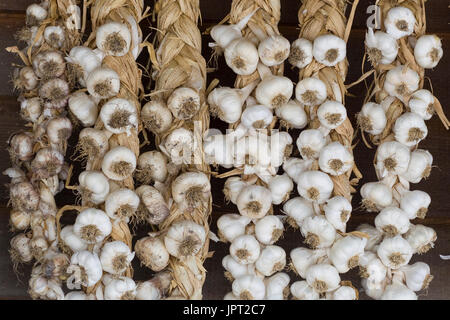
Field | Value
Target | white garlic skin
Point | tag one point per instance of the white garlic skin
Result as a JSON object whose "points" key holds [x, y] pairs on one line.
{"points": [[392, 221], [156, 117], [419, 166], [376, 195], [329, 49], [19, 220], [257, 116], [301, 290], [401, 82], [117, 156], [315, 186], [103, 83], [154, 166], [122, 288], [399, 22], [417, 276], [95, 218], [237, 269], [242, 56], [335, 159], [20, 249], [54, 36], [292, 114], [35, 13], [298, 209], [268, 229], [219, 150], [372, 118], [325, 273], [345, 252], [311, 91], [415, 203], [280, 187], [381, 43], [375, 236], [28, 79], [274, 91], [371, 267], [310, 142], [232, 188], [428, 51], [421, 238], [343, 293], [318, 232], [331, 114], [245, 249], [154, 208], [422, 103], [152, 252], [91, 265], [254, 201], [30, 109], [276, 285], [184, 103], [120, 34], [84, 108], [73, 241], [178, 146], [119, 115], [410, 129], [112, 251], [95, 184], [177, 235], [271, 260], [395, 252], [337, 211], [49, 64], [249, 287], [76, 295], [293, 167], [398, 291], [301, 53], [21, 146], [274, 50], [392, 158], [85, 59], [231, 226], [197, 182]]}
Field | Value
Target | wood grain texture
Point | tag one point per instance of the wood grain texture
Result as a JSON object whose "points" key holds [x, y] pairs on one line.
{"points": [[216, 286]]}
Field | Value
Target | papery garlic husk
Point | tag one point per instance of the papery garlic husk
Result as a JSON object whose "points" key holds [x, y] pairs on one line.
{"points": [[318, 232], [232, 188], [410, 129], [184, 103], [315, 186], [119, 115], [94, 186], [54, 36], [54, 94], [343, 293], [428, 51], [249, 287], [119, 163], [292, 115], [152, 252], [257, 117], [84, 108], [19, 220], [85, 269], [242, 56], [392, 158], [274, 91], [93, 143], [219, 150], [381, 47], [398, 291], [25, 79], [421, 238], [153, 207], [46, 163], [191, 190], [20, 250], [269, 229], [277, 286], [113, 38], [331, 114], [184, 238], [399, 22], [335, 159], [401, 82], [301, 290], [231, 226], [122, 288], [156, 117], [417, 276], [24, 197], [71, 240], [49, 64], [254, 201], [30, 109], [395, 252], [21, 147], [311, 91], [337, 211], [234, 269], [116, 257], [372, 118], [392, 221], [103, 83], [82, 61], [375, 196], [35, 13], [415, 204], [345, 252], [92, 225], [151, 166], [301, 53], [179, 146], [422, 103], [274, 50], [271, 260], [155, 288], [371, 268], [419, 166], [297, 209], [245, 249], [375, 236], [329, 49], [280, 187], [323, 277]]}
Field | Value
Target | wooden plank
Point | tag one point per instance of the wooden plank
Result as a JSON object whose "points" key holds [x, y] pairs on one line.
{"points": [[15, 5]]}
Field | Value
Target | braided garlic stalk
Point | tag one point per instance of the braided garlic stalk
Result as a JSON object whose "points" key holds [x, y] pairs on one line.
{"points": [[398, 52], [178, 116], [37, 154]]}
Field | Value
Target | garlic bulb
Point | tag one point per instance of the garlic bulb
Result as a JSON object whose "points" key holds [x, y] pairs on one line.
{"points": [[94, 186], [399, 22], [76, 295], [31, 109], [392, 221], [119, 163], [329, 49], [179, 146], [184, 238], [301, 290], [85, 269], [337, 211], [92, 225], [84, 108], [428, 51], [153, 207], [335, 159], [274, 91], [315, 186], [303, 258], [93, 143], [156, 117], [84, 61], [232, 188], [280, 149], [318, 232], [54, 36], [71, 240], [417, 276], [54, 93], [47, 162], [395, 252], [292, 115], [297, 209], [35, 13], [20, 251], [223, 34], [323, 277], [274, 50], [103, 83], [191, 189], [151, 166], [375, 196], [21, 146], [218, 150], [422, 103], [301, 53], [345, 252], [343, 293], [410, 129], [371, 268], [58, 131], [295, 166], [269, 229], [249, 287], [155, 288], [119, 115], [116, 257], [245, 249], [398, 291], [392, 158], [415, 204], [372, 118], [254, 201], [310, 142], [122, 288], [421, 238], [277, 286], [401, 82], [373, 289], [19, 220], [152, 252], [381, 47], [184, 103], [25, 79], [113, 38], [257, 117], [280, 187], [49, 64], [231, 226], [252, 152], [24, 196], [242, 56], [234, 269], [331, 114], [419, 166], [271, 260], [311, 91]]}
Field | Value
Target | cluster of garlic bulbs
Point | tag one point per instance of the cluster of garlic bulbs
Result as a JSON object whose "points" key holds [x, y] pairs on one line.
{"points": [[396, 123]]}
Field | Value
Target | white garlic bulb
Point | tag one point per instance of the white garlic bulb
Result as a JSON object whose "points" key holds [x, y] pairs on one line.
{"points": [[372, 118], [257, 117], [395, 252], [122, 288], [153, 208], [301, 290], [410, 129], [315, 186], [155, 288], [119, 163], [428, 51], [318, 232], [156, 117], [35, 13], [113, 38], [329, 49], [242, 56], [245, 249], [331, 114], [116, 257], [417, 276], [415, 204], [271, 260], [191, 189], [85, 269], [276, 286], [345, 252], [274, 91], [337, 211], [371, 268], [249, 287], [254, 201], [84, 108], [184, 238], [232, 188], [297, 209], [184, 103], [398, 291], [381, 47], [76, 295], [280, 187], [323, 277], [19, 220], [20, 249], [422, 103], [151, 166], [119, 115], [92, 225], [103, 83], [375, 196], [310, 142], [85, 60], [401, 82], [25, 79], [280, 149], [231, 226], [292, 115], [375, 236], [335, 159], [392, 158], [223, 34], [311, 91], [121, 204], [54, 36], [49, 64], [392, 221], [419, 166], [301, 53], [274, 50], [30, 109], [179, 146], [293, 167], [152, 252], [399, 22], [71, 240], [269, 229], [343, 293], [234, 269], [94, 186], [219, 150], [421, 238]]}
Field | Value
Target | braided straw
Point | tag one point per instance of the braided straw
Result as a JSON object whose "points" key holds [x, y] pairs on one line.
{"points": [[179, 63], [328, 17]]}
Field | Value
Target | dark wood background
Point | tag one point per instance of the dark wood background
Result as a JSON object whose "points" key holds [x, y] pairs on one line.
{"points": [[12, 16]]}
